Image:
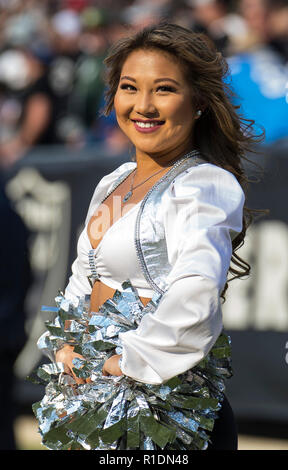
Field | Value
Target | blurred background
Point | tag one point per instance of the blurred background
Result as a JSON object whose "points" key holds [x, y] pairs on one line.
{"points": [[55, 145]]}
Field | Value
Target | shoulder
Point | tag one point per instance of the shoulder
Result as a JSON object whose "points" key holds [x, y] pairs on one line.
{"points": [[207, 191], [107, 182], [117, 173], [109, 179], [207, 180]]}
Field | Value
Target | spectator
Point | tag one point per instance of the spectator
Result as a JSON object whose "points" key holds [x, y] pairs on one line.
{"points": [[89, 86], [258, 75], [219, 20], [278, 27], [142, 13], [99, 30], [25, 107], [65, 37]]}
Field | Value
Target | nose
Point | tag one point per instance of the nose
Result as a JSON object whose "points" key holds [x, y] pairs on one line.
{"points": [[144, 104]]}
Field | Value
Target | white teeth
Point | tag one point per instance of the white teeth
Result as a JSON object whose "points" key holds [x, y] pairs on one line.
{"points": [[146, 124]]}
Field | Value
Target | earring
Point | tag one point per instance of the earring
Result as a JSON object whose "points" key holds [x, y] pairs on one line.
{"points": [[199, 112]]}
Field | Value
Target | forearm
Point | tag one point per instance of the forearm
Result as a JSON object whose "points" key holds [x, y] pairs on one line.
{"points": [[177, 336], [36, 119], [112, 366]]}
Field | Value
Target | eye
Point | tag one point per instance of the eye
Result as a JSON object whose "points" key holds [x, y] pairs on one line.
{"points": [[127, 86], [166, 89]]}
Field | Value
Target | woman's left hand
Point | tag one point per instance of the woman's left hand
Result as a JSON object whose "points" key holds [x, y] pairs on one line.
{"points": [[111, 366]]}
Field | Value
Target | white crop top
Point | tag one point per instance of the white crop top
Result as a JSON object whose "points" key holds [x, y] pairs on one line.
{"points": [[114, 259]]}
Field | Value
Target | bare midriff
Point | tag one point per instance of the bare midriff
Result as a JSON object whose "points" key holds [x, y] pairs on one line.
{"points": [[116, 209]]}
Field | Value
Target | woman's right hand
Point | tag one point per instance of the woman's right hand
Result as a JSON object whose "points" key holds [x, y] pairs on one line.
{"points": [[66, 356]]}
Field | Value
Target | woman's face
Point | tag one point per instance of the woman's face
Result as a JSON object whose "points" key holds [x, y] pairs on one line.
{"points": [[154, 105]]}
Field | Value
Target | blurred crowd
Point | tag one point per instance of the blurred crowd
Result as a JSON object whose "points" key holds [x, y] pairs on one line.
{"points": [[51, 64]]}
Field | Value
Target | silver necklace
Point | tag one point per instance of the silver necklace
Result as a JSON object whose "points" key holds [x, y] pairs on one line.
{"points": [[130, 192]]}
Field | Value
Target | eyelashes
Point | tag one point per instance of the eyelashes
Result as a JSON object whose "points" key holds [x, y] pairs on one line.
{"points": [[162, 88], [125, 86]]}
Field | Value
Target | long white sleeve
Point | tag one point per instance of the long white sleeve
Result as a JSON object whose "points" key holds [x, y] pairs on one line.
{"points": [[203, 210]]}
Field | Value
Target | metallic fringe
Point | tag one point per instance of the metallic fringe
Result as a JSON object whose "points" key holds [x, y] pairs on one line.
{"points": [[113, 413]]}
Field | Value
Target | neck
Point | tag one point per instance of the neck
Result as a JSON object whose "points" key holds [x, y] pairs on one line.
{"points": [[149, 163]]}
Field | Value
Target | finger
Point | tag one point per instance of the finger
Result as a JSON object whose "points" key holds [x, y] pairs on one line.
{"points": [[69, 371], [78, 380], [66, 369], [105, 373]]}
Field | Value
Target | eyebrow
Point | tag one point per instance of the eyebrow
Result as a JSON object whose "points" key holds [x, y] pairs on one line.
{"points": [[164, 79]]}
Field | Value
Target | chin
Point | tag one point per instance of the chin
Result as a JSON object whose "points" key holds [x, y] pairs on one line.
{"points": [[151, 150], [150, 147]]}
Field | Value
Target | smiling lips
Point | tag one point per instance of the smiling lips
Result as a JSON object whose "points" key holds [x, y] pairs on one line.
{"points": [[147, 126]]}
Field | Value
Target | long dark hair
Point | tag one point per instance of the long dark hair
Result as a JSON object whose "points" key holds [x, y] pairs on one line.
{"points": [[221, 135]]}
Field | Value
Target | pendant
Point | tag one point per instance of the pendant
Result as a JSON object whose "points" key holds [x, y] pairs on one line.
{"points": [[127, 196]]}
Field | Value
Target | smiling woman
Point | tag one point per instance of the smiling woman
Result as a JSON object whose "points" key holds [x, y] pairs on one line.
{"points": [[154, 110], [153, 356]]}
